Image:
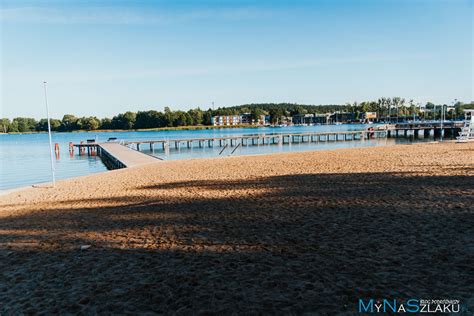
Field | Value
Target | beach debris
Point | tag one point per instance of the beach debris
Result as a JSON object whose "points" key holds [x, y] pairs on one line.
{"points": [[85, 247]]}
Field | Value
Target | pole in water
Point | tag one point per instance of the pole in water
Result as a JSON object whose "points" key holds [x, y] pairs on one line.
{"points": [[441, 123], [49, 134]]}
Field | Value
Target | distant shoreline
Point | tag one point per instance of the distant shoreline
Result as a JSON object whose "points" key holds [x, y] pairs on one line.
{"points": [[178, 128]]}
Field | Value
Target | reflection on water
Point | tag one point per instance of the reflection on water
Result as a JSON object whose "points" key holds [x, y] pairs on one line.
{"points": [[25, 160]]}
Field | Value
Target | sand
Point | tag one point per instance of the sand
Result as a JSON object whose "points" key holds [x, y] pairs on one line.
{"points": [[283, 233]]}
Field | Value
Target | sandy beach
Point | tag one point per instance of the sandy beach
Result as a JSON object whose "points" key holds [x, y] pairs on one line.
{"points": [[283, 233]]}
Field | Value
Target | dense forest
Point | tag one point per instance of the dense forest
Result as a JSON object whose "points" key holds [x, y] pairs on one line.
{"points": [[276, 111]]}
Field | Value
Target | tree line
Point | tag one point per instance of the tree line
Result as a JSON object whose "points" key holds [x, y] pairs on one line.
{"points": [[123, 121], [193, 117]]}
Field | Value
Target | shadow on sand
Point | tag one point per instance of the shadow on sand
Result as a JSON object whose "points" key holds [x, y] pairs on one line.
{"points": [[286, 244]]}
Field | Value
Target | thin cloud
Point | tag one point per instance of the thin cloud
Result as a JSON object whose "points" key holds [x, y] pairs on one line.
{"points": [[114, 15], [216, 69]]}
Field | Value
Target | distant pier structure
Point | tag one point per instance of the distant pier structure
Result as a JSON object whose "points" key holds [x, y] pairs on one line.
{"points": [[425, 129], [127, 153], [251, 140]]}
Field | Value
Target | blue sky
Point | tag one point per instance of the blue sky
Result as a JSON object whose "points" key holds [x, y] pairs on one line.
{"points": [[105, 57]]}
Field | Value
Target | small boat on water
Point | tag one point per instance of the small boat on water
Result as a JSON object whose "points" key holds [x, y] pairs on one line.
{"points": [[467, 131]]}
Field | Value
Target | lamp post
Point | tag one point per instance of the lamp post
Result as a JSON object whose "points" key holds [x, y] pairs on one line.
{"points": [[49, 134], [441, 123], [453, 110]]}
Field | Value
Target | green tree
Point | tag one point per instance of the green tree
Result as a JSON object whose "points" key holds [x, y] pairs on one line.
{"points": [[68, 123], [25, 124], [4, 125], [181, 119], [169, 117], [206, 117], [196, 116], [90, 123], [256, 113], [298, 110], [13, 128], [124, 121], [149, 119], [42, 125], [106, 123], [276, 114]]}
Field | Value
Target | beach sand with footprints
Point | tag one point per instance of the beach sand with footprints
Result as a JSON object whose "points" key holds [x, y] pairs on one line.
{"points": [[283, 233]]}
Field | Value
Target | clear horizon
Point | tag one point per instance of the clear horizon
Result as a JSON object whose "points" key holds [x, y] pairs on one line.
{"points": [[102, 58]]}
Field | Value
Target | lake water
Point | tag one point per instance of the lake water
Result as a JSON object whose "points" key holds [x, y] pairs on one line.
{"points": [[24, 159]]}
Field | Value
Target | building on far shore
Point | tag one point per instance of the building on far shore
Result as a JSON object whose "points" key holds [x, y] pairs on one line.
{"points": [[342, 117], [326, 118], [370, 116], [244, 119], [311, 118], [226, 120]]}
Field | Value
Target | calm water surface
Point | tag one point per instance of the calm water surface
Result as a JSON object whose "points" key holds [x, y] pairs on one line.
{"points": [[24, 159]]}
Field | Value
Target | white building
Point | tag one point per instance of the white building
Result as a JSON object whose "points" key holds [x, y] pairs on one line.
{"points": [[226, 120]]}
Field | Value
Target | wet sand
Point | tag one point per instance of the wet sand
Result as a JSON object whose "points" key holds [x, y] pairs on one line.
{"points": [[283, 233]]}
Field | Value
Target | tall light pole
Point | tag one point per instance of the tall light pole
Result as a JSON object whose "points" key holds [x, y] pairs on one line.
{"points": [[49, 134], [441, 123], [453, 110]]}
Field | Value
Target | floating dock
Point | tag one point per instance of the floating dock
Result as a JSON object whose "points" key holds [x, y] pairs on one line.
{"points": [[118, 156]]}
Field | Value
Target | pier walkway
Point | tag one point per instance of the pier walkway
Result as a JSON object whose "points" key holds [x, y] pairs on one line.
{"points": [[257, 139], [119, 156], [125, 155]]}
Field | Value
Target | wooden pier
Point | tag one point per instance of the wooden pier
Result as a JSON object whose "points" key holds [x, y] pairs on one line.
{"points": [[428, 129], [123, 154], [256, 139], [117, 156]]}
